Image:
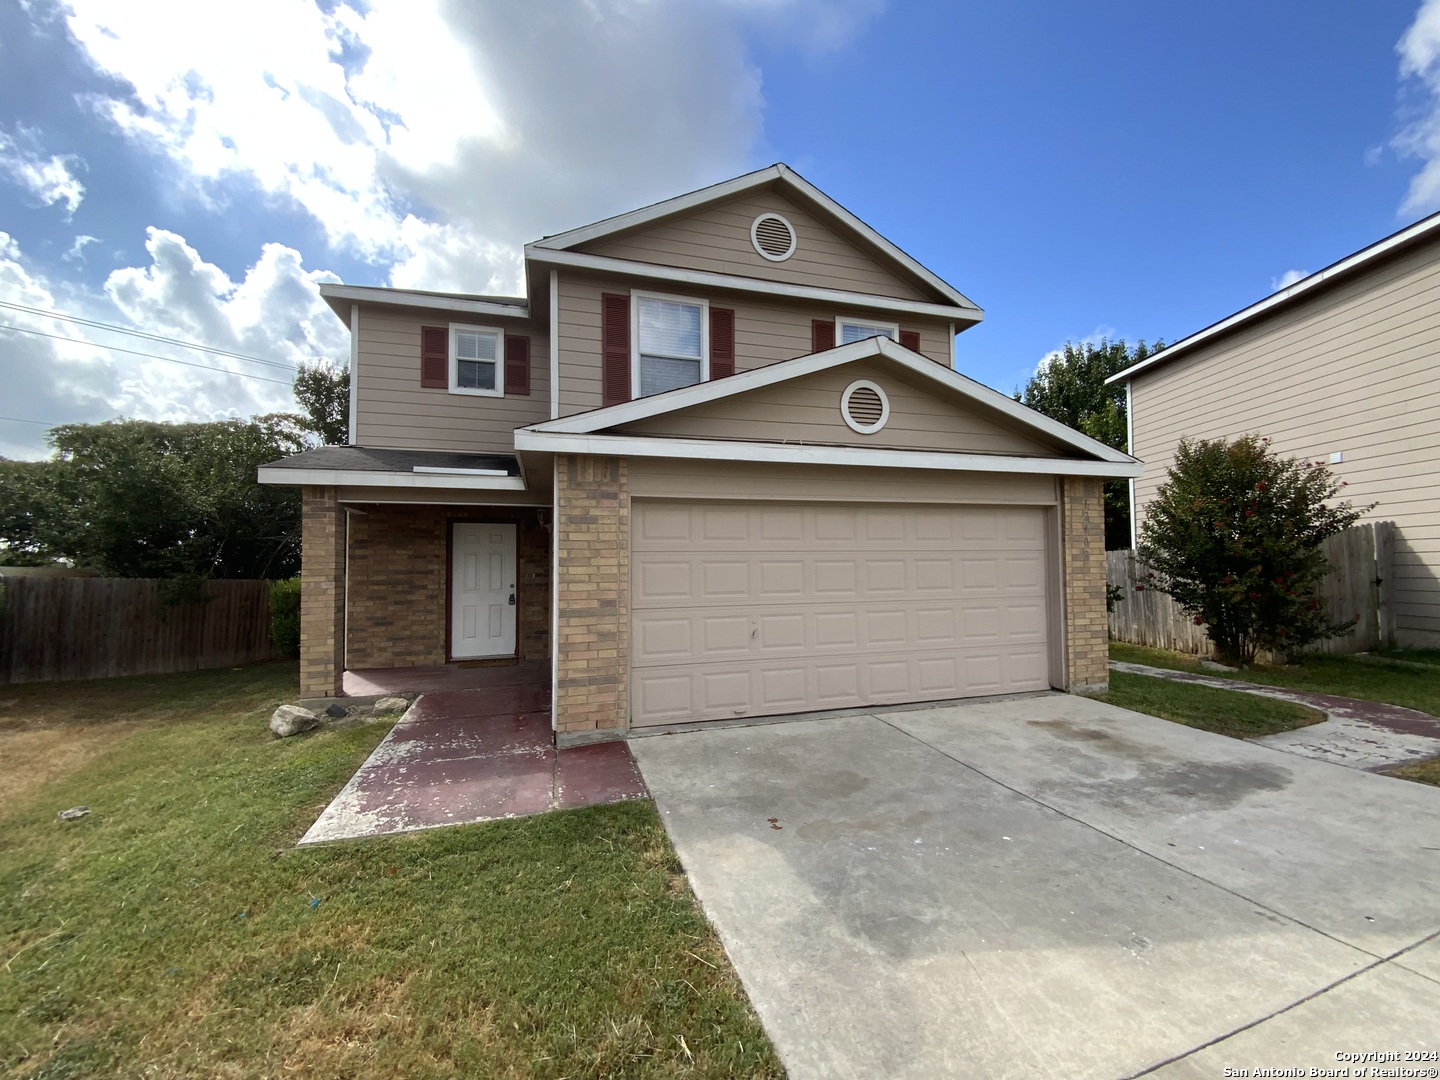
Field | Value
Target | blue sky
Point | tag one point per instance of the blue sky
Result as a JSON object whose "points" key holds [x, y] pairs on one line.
{"points": [[1130, 169]]}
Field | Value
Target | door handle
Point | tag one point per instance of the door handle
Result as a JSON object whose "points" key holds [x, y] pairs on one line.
{"points": [[512, 599]]}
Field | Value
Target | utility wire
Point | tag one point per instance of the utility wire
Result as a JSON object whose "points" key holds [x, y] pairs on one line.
{"points": [[144, 334], [22, 420], [150, 356]]}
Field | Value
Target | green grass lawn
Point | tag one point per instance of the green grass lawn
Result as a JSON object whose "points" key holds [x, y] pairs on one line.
{"points": [[1410, 678], [1225, 712], [177, 932]]}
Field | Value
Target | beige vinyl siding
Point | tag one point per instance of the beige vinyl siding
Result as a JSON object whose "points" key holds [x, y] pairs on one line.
{"points": [[394, 410], [808, 410], [766, 332], [717, 238], [664, 478], [1353, 369]]}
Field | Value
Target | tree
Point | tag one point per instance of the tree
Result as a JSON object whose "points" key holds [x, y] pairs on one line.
{"points": [[1234, 536], [323, 391], [1070, 387], [132, 498]]}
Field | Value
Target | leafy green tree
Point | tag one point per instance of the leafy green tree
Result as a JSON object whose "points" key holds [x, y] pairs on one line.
{"points": [[133, 498], [1070, 387], [323, 391], [1234, 536]]}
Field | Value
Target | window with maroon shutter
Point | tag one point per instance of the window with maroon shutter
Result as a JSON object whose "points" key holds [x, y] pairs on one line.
{"points": [[517, 364], [822, 335], [614, 348], [910, 339], [435, 357], [722, 342]]}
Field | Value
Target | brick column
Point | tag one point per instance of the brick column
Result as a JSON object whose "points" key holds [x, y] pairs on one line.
{"points": [[1087, 653], [592, 644], [322, 593]]}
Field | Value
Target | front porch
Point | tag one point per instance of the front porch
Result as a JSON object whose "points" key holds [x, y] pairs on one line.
{"points": [[463, 675]]}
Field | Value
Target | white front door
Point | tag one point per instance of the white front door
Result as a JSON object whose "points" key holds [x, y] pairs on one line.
{"points": [[482, 603]]}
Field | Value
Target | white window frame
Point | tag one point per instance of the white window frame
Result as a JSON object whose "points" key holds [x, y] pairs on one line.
{"points": [[454, 361], [636, 295], [842, 321]]}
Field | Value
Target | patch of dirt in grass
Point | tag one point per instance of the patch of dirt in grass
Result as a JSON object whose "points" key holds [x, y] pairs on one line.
{"points": [[32, 756], [1421, 772]]}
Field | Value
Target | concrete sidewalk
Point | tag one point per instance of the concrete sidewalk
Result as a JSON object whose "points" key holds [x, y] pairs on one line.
{"points": [[1052, 886], [1368, 735]]}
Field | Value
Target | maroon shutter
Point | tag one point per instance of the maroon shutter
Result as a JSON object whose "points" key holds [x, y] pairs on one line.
{"points": [[435, 357], [722, 342], [615, 348], [822, 335], [910, 339], [517, 364]]}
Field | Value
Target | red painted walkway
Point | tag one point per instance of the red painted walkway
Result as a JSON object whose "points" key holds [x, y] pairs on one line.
{"points": [[463, 756]]}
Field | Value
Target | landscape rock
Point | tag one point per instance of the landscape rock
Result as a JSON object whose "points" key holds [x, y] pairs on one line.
{"points": [[335, 711], [290, 720], [391, 704], [1211, 665], [73, 813]]}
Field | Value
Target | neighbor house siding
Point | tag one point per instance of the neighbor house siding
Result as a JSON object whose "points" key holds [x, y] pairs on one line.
{"points": [[766, 332], [1352, 369], [394, 410], [808, 410], [717, 238]]}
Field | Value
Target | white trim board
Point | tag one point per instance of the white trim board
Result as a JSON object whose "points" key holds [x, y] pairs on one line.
{"points": [[804, 454], [402, 298], [1292, 292], [779, 173], [365, 478], [354, 406], [757, 378], [707, 279]]}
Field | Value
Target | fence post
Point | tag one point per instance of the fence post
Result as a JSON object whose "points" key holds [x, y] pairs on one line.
{"points": [[1385, 582]]}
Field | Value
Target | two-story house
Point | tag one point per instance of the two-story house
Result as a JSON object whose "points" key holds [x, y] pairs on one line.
{"points": [[717, 464]]}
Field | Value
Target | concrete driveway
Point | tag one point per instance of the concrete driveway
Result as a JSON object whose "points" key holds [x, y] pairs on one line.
{"points": [[1050, 886]]}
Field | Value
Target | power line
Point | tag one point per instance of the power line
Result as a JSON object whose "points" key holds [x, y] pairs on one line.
{"points": [[22, 420], [143, 334], [150, 356]]}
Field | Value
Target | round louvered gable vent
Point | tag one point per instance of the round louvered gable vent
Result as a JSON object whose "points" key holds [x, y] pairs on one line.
{"points": [[773, 237], [864, 407]]}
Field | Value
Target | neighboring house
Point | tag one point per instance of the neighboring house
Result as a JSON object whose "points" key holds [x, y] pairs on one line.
{"points": [[717, 465], [1341, 367]]}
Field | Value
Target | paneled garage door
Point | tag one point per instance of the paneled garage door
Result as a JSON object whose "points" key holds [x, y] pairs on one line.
{"points": [[756, 609]]}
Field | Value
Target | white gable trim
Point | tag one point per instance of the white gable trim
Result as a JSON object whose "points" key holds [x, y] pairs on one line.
{"points": [[1285, 295], [367, 478], [780, 173], [803, 454], [658, 404], [403, 298], [708, 279]]}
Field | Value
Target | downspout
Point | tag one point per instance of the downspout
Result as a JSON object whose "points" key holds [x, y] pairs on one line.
{"points": [[554, 344], [1130, 449]]}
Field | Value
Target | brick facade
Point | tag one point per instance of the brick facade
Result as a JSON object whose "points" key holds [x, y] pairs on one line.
{"points": [[399, 583], [592, 650], [1082, 529], [322, 592]]}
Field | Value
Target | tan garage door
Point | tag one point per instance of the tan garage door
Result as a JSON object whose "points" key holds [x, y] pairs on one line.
{"points": [[755, 609]]}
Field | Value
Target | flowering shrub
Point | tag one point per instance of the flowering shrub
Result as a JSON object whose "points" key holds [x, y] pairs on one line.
{"points": [[1234, 536]]}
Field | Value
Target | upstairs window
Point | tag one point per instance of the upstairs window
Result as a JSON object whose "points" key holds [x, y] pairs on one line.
{"points": [[672, 346], [848, 330], [476, 361]]}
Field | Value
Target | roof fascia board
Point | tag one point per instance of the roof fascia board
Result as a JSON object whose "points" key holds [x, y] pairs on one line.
{"points": [[741, 184], [757, 378], [966, 313], [801, 454], [366, 478], [402, 298], [1292, 292]]}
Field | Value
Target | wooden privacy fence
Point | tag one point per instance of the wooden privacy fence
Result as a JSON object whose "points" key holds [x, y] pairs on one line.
{"points": [[91, 628], [1358, 587]]}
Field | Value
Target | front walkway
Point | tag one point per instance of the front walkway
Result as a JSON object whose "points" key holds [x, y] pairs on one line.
{"points": [[1367, 735], [463, 756]]}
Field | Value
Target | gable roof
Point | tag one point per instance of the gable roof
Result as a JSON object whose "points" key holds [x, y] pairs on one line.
{"points": [[340, 297], [554, 434], [1424, 229], [789, 181]]}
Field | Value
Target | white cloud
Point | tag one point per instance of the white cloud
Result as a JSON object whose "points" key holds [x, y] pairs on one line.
{"points": [[1285, 280], [275, 313], [1419, 50], [77, 249], [48, 178], [436, 138]]}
